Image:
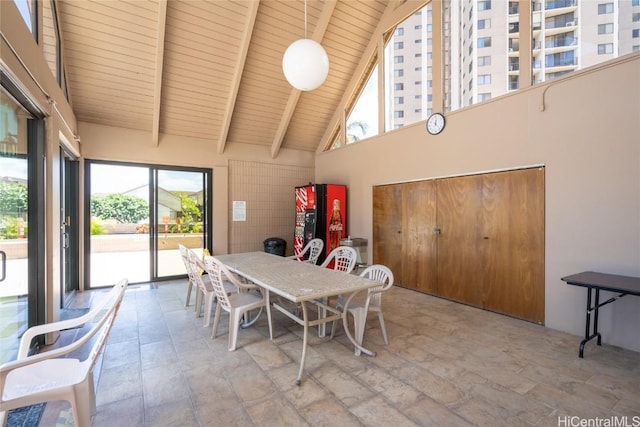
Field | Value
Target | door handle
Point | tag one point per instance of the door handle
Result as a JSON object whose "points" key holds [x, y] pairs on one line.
{"points": [[437, 230], [3, 255]]}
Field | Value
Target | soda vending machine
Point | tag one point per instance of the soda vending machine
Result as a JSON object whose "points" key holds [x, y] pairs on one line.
{"points": [[321, 212]]}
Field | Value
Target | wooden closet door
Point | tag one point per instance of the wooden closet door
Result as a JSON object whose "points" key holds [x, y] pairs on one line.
{"points": [[460, 270], [513, 243], [419, 242], [387, 229]]}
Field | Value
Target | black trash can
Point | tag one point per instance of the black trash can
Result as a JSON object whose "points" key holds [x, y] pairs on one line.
{"points": [[275, 245]]}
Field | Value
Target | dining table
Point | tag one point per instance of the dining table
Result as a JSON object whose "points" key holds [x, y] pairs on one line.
{"points": [[303, 284]]}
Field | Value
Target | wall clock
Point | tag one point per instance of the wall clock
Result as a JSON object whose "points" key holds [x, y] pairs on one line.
{"points": [[435, 123]]}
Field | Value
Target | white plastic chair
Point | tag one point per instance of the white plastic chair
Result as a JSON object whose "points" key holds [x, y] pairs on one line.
{"points": [[50, 376], [236, 304], [206, 293], [361, 304], [344, 259], [184, 253], [312, 250]]}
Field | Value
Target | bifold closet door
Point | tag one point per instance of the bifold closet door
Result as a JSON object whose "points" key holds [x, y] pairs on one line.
{"points": [[460, 270], [513, 243], [387, 229]]}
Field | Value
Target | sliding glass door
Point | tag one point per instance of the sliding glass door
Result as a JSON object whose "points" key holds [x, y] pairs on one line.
{"points": [[137, 217], [180, 217], [21, 222]]}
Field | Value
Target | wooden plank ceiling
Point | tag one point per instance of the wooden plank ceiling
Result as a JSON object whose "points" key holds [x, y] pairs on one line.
{"points": [[211, 69]]}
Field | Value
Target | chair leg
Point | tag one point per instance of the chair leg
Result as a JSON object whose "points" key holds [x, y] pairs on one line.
{"points": [[384, 330], [81, 405], [189, 287], [216, 320], [234, 325], [208, 307], [92, 394], [198, 306]]}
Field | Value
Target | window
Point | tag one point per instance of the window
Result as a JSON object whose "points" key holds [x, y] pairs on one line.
{"points": [[398, 86], [484, 96], [605, 28], [484, 79], [399, 45], [399, 31], [417, 64], [398, 73], [484, 42], [484, 5], [636, 48], [398, 59], [484, 61], [362, 121], [484, 24], [635, 34], [605, 8], [27, 10], [605, 48], [635, 17]]}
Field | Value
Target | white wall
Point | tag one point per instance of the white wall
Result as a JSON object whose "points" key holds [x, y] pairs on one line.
{"points": [[588, 138]]}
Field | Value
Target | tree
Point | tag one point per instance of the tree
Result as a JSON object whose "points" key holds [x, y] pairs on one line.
{"points": [[352, 130], [13, 198], [123, 208], [190, 209]]}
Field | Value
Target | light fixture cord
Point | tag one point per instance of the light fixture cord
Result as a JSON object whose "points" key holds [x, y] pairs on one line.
{"points": [[305, 19]]}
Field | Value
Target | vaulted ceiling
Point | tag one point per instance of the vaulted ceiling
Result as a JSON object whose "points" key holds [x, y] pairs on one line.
{"points": [[211, 69]]}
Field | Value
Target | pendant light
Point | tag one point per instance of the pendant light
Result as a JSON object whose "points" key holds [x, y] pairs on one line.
{"points": [[305, 62]]}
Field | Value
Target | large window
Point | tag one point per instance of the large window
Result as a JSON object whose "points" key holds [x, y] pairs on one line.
{"points": [[362, 121], [415, 71], [481, 55]]}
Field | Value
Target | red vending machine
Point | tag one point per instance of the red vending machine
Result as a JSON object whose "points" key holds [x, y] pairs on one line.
{"points": [[321, 212]]}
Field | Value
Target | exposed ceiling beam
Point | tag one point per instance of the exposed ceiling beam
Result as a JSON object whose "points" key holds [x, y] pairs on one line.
{"points": [[157, 90], [318, 34], [235, 85]]}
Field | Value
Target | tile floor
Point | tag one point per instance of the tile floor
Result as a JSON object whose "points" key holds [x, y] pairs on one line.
{"points": [[446, 364]]}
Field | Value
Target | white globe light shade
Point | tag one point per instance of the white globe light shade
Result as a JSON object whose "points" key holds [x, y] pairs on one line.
{"points": [[305, 64]]}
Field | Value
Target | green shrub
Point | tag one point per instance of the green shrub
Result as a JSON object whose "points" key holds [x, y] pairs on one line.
{"points": [[96, 227]]}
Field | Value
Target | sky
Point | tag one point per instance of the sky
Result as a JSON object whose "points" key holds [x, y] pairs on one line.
{"points": [[118, 179], [13, 167]]}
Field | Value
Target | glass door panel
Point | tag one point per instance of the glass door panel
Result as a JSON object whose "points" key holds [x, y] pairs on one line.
{"points": [[180, 217], [14, 219], [119, 214]]}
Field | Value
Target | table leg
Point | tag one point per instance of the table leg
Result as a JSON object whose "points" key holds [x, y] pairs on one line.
{"points": [[587, 329], [345, 322], [305, 325]]}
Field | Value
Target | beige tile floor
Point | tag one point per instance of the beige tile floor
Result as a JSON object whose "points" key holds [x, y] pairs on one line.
{"points": [[446, 364]]}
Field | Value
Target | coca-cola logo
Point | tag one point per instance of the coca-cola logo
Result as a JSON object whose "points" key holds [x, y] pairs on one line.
{"points": [[335, 227]]}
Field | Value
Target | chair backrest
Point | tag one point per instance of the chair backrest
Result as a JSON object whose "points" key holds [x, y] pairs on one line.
{"points": [[100, 321], [185, 253], [218, 272], [382, 274], [343, 257], [314, 249]]}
